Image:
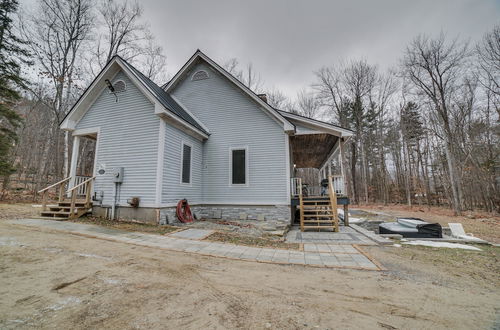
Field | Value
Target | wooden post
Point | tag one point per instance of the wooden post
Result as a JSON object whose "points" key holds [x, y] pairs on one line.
{"points": [[61, 191], [346, 215], [333, 202], [72, 206], [87, 193], [74, 161], [301, 205], [44, 200]]}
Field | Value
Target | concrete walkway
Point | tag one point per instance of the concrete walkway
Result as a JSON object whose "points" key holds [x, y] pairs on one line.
{"points": [[341, 256]]}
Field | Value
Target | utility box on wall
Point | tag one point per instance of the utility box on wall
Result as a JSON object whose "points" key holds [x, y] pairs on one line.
{"points": [[118, 174]]}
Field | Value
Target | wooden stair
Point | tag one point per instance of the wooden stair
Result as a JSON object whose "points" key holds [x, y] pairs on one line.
{"points": [[67, 209], [62, 211], [319, 212]]}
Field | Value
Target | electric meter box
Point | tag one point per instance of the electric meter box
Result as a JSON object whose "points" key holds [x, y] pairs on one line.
{"points": [[118, 174]]}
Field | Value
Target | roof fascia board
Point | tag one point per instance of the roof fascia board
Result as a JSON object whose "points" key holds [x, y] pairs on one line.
{"points": [[318, 125], [281, 119]]}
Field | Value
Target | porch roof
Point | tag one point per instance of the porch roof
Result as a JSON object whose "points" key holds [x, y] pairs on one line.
{"points": [[312, 150]]}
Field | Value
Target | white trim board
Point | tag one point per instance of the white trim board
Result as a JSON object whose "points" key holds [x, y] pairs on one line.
{"points": [[159, 161], [317, 125]]}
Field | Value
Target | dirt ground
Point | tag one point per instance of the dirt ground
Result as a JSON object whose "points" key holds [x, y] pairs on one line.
{"points": [[481, 224], [57, 280]]}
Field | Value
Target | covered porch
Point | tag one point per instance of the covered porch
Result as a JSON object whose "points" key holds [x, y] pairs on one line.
{"points": [[318, 184]]}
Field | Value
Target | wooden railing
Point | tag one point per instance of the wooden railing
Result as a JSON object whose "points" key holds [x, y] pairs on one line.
{"points": [[74, 192], [318, 190], [301, 203], [333, 202], [81, 190], [45, 191]]}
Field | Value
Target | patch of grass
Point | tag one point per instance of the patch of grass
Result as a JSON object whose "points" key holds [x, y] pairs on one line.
{"points": [[483, 264], [128, 225], [250, 241]]}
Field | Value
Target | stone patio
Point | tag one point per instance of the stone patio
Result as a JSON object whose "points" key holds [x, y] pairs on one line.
{"points": [[319, 255], [346, 235]]}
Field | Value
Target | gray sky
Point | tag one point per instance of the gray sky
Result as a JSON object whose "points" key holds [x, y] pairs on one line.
{"points": [[287, 40]]}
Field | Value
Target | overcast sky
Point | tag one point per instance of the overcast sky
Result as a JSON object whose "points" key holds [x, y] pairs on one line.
{"points": [[287, 40]]}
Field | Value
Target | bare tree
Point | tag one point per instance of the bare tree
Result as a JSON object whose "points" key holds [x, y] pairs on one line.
{"points": [[488, 52], [58, 30], [126, 35], [278, 100], [308, 104], [247, 76], [437, 69]]}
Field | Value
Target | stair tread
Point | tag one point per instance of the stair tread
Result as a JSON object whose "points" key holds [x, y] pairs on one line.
{"points": [[318, 221], [318, 215]]}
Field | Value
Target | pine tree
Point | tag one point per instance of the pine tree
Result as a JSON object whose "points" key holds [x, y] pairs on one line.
{"points": [[11, 55]]}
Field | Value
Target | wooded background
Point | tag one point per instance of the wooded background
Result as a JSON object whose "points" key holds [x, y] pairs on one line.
{"points": [[426, 131]]}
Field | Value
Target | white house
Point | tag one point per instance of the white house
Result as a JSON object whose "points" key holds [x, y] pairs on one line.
{"points": [[203, 136]]}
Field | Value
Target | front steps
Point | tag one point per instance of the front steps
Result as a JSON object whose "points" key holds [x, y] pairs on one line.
{"points": [[317, 214], [61, 211]]}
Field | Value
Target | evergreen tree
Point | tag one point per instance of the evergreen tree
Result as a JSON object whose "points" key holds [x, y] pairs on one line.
{"points": [[11, 55]]}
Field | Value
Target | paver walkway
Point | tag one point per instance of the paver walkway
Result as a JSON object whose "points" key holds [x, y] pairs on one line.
{"points": [[346, 235], [341, 256]]}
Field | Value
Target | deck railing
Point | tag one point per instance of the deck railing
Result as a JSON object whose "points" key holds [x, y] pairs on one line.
{"points": [[318, 190], [73, 192], [82, 189]]}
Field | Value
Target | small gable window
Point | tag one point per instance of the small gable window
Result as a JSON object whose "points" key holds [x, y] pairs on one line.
{"points": [[119, 86], [186, 164], [199, 75]]}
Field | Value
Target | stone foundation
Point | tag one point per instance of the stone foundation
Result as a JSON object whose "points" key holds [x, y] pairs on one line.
{"points": [[279, 213], [272, 213]]}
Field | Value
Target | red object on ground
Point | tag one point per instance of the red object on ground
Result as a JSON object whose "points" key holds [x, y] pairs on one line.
{"points": [[184, 211]]}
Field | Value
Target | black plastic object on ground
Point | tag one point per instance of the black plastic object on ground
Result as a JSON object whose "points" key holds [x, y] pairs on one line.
{"points": [[412, 228]]}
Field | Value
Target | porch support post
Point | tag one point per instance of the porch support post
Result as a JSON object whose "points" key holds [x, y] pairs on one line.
{"points": [[74, 160], [342, 163]]}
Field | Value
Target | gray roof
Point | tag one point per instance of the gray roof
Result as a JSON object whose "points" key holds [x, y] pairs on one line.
{"points": [[164, 98]]}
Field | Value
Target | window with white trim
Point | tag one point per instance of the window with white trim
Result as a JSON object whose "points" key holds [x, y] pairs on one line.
{"points": [[239, 168], [186, 164]]}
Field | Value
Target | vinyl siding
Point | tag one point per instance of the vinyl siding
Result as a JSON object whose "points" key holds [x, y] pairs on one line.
{"points": [[172, 189], [128, 138], [235, 120]]}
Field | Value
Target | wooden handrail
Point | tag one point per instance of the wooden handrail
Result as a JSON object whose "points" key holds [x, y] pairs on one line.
{"points": [[55, 184], [81, 184]]}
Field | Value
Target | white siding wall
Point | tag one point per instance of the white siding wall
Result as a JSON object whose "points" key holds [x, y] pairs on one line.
{"points": [[128, 138], [234, 120], [173, 190]]}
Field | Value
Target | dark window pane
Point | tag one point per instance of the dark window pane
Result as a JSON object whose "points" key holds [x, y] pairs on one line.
{"points": [[186, 164], [239, 168]]}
